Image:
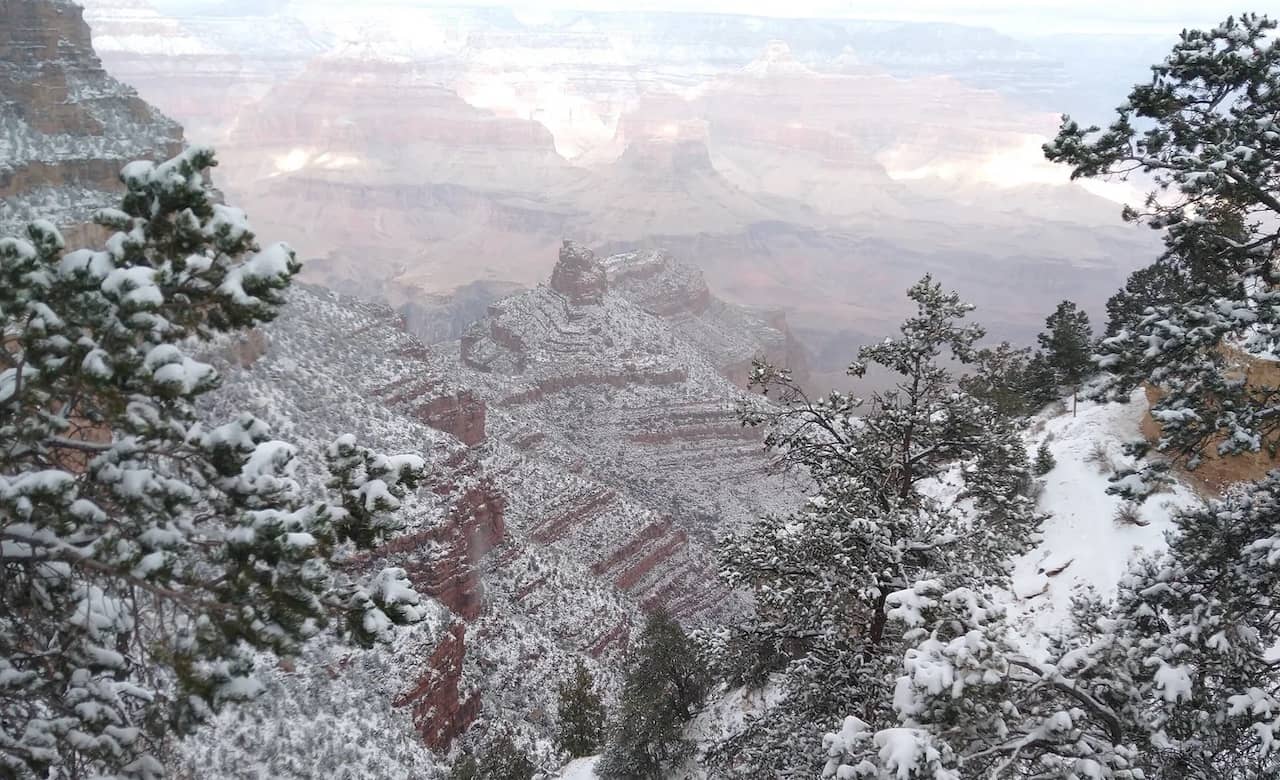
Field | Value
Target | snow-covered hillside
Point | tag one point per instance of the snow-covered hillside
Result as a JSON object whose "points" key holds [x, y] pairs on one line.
{"points": [[541, 535], [1087, 542]]}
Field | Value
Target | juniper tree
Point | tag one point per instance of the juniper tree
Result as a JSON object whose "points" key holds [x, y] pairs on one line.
{"points": [[148, 553], [665, 684], [581, 714], [821, 577]]}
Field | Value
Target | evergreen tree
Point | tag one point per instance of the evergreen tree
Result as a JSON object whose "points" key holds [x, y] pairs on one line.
{"points": [[580, 730], [1178, 277], [1012, 381], [999, 482], [502, 759], [1176, 678], [149, 553], [666, 682], [1041, 382], [1044, 460], [1068, 346], [822, 577], [465, 767], [1217, 182], [1000, 380]]}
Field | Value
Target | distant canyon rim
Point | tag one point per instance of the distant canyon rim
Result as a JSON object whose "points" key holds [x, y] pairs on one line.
{"points": [[435, 158]]}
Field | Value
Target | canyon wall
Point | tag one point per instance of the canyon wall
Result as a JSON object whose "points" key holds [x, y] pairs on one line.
{"points": [[66, 126]]}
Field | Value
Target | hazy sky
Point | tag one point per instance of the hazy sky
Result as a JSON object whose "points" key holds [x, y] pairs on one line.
{"points": [[1020, 17]]}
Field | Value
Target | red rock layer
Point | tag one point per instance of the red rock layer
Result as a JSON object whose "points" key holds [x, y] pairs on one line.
{"points": [[441, 712]]}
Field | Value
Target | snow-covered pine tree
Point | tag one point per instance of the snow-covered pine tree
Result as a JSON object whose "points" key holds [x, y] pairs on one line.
{"points": [[1041, 382], [998, 480], [502, 759], [148, 553], [1013, 381], [1173, 680], [1000, 379], [1067, 342], [1210, 139], [1045, 461], [1176, 678], [821, 578], [1176, 278]]}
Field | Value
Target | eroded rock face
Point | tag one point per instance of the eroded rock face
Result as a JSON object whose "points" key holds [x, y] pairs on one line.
{"points": [[579, 276], [460, 414], [732, 336], [629, 394], [66, 126], [442, 711], [1215, 473], [524, 608]]}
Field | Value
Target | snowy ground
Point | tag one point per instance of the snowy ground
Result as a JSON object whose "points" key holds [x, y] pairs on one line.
{"points": [[580, 769], [1084, 544]]}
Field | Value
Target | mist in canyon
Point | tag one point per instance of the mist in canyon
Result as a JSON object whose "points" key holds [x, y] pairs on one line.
{"points": [[434, 158]]}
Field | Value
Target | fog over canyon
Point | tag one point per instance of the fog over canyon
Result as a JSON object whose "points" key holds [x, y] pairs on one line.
{"points": [[436, 158]]}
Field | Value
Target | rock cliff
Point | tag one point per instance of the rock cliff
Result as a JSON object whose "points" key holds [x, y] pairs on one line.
{"points": [[617, 371], [66, 126]]}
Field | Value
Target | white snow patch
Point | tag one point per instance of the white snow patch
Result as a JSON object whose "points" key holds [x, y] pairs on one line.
{"points": [[1083, 543], [580, 769]]}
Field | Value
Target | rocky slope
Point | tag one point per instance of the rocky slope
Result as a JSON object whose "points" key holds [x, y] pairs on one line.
{"points": [[535, 556], [585, 456], [66, 126], [625, 389]]}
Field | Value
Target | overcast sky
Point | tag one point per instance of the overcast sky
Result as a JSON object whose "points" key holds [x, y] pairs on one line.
{"points": [[1020, 17]]}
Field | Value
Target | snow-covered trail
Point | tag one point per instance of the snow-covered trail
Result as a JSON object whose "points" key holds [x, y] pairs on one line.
{"points": [[1084, 544]]}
